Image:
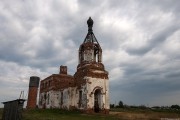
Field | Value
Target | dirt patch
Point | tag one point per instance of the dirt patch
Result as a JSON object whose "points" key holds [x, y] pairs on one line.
{"points": [[145, 116]]}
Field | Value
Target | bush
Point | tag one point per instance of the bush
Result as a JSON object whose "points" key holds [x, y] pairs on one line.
{"points": [[175, 107]]}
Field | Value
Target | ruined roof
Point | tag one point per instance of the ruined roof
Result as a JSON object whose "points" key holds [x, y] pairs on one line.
{"points": [[90, 37]]}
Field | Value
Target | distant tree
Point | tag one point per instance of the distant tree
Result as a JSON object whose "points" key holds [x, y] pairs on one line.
{"points": [[175, 107], [120, 105], [142, 107]]}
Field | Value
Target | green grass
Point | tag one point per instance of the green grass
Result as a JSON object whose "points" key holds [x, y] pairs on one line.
{"points": [[115, 114], [145, 114], [57, 114], [147, 110]]}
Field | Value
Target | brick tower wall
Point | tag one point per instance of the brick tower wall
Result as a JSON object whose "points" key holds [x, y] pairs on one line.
{"points": [[63, 70], [33, 91]]}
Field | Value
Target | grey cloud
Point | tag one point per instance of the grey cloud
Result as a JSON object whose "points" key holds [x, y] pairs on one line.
{"points": [[39, 36], [157, 39], [172, 75], [143, 92], [167, 6]]}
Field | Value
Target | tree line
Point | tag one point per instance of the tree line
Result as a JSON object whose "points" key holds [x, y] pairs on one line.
{"points": [[122, 105]]}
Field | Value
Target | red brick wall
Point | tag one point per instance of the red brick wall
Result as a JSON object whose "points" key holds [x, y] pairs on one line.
{"points": [[57, 82], [32, 97]]}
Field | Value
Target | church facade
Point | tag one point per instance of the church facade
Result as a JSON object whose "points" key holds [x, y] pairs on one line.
{"points": [[87, 89]]}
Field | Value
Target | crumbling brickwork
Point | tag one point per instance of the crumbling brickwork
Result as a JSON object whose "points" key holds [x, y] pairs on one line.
{"points": [[32, 97], [33, 91]]}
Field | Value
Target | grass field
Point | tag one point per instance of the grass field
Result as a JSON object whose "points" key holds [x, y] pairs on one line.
{"points": [[115, 114], [145, 114]]}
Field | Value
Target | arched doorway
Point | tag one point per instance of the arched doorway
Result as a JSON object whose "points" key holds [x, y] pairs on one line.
{"points": [[97, 100]]}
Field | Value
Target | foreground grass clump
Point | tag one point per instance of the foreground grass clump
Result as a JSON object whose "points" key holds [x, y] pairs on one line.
{"points": [[57, 114]]}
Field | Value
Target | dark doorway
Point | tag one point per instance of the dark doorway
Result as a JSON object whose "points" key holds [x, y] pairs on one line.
{"points": [[97, 100], [80, 99]]}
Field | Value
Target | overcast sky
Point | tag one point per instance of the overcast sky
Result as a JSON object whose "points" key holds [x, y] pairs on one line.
{"points": [[140, 42]]}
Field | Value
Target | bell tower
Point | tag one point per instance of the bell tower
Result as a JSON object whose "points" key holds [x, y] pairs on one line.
{"points": [[90, 51], [91, 78]]}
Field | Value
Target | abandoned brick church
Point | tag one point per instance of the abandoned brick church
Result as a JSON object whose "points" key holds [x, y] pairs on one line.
{"points": [[87, 89]]}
